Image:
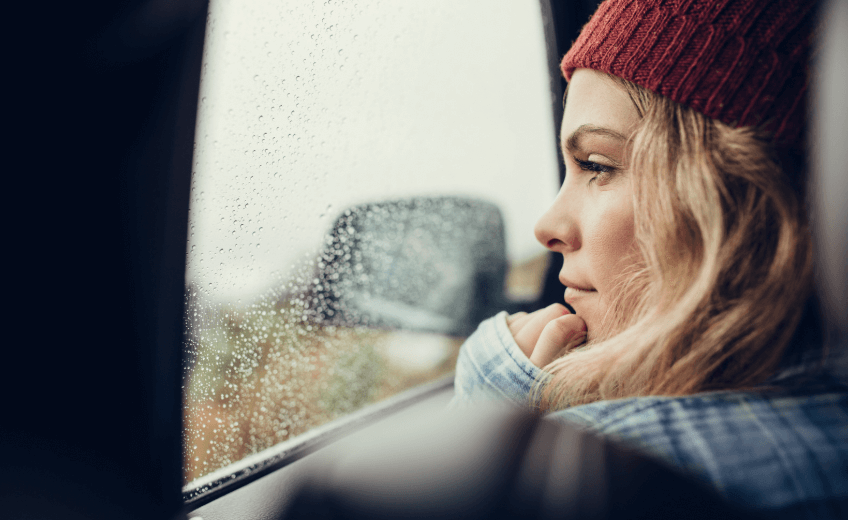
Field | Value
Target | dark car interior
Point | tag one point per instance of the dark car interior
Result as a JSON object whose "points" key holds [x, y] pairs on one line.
{"points": [[103, 118]]}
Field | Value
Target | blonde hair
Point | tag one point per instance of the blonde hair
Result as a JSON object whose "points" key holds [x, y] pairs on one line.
{"points": [[725, 265]]}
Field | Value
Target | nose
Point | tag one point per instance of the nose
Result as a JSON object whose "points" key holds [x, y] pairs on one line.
{"points": [[558, 228]]}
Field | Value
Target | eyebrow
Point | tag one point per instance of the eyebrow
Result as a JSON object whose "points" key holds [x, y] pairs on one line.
{"points": [[572, 142]]}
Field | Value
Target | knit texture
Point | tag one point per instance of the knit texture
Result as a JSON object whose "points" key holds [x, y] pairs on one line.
{"points": [[743, 62]]}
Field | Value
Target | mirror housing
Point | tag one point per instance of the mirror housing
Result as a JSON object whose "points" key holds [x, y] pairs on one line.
{"points": [[428, 264]]}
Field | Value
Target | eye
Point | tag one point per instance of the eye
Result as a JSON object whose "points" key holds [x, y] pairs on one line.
{"points": [[603, 172]]}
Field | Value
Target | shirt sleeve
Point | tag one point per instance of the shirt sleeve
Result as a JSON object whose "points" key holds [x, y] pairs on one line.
{"points": [[492, 366]]}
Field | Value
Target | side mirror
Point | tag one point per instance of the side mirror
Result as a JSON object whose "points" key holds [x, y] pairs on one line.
{"points": [[419, 264]]}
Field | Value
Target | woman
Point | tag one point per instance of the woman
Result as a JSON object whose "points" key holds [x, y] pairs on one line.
{"points": [[686, 257]]}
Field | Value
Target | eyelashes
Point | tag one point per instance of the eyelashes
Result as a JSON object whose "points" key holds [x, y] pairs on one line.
{"points": [[592, 166], [603, 172]]}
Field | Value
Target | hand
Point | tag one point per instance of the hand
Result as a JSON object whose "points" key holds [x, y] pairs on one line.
{"points": [[545, 334]]}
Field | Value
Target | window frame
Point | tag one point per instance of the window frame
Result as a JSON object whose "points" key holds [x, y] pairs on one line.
{"points": [[123, 170], [240, 473]]}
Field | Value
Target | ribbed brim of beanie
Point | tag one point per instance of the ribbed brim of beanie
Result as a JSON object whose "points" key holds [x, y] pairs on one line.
{"points": [[743, 62]]}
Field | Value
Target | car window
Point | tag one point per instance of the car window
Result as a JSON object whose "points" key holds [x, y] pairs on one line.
{"points": [[366, 180]]}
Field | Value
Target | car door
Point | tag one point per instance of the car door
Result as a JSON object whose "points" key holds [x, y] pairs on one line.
{"points": [[104, 149]]}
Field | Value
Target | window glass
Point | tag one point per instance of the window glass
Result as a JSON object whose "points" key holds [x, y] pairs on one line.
{"points": [[362, 169]]}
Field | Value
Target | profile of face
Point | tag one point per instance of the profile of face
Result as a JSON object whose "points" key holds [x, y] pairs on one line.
{"points": [[591, 220]]}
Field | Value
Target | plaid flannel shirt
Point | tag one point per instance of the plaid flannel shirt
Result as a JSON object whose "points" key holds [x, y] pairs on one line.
{"points": [[784, 451]]}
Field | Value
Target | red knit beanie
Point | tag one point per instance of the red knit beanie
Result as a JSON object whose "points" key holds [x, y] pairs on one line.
{"points": [[743, 62]]}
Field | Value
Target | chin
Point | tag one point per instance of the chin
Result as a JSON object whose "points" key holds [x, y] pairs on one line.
{"points": [[596, 327]]}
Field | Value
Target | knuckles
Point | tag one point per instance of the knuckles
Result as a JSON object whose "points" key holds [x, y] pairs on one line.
{"points": [[567, 327], [564, 332], [559, 308]]}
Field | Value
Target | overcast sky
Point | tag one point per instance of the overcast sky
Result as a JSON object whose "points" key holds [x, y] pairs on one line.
{"points": [[309, 107]]}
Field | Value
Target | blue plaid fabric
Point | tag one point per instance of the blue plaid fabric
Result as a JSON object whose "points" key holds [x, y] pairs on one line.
{"points": [[782, 452]]}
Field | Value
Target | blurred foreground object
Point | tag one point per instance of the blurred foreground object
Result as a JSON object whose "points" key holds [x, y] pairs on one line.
{"points": [[497, 462], [829, 180]]}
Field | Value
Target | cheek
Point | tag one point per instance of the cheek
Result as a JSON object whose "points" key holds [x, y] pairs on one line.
{"points": [[611, 249], [612, 241]]}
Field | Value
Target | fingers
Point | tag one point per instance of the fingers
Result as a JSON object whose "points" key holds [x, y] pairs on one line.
{"points": [[546, 333], [527, 329], [518, 321], [558, 335], [513, 318]]}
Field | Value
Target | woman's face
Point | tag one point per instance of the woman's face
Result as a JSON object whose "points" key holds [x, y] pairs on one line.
{"points": [[591, 220]]}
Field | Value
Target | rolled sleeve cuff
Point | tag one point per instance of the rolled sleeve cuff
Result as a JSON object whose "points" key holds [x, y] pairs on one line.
{"points": [[492, 366]]}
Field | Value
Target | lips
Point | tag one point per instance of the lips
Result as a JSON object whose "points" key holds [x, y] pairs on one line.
{"points": [[575, 291], [573, 294], [571, 284]]}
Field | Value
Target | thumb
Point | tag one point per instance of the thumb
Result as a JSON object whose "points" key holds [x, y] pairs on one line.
{"points": [[558, 336]]}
